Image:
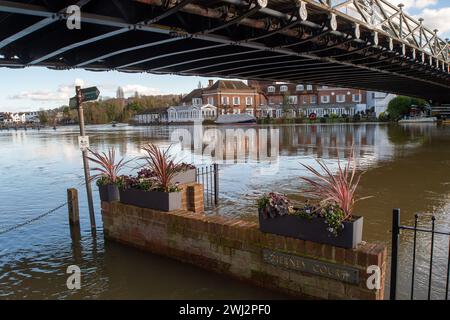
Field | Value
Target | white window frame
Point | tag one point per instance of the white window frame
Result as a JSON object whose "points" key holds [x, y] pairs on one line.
{"points": [[305, 99], [313, 99], [359, 98], [300, 87], [238, 100], [271, 89], [293, 99], [309, 87], [325, 99], [248, 101], [225, 100], [197, 101], [283, 88], [211, 100], [340, 98]]}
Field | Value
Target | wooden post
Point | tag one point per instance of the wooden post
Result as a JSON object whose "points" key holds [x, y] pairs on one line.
{"points": [[72, 205]]}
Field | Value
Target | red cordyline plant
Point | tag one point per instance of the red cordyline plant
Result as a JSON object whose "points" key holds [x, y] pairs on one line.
{"points": [[162, 164], [338, 189], [108, 168]]}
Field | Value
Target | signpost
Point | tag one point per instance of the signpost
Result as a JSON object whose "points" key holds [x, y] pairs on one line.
{"points": [[83, 95]]}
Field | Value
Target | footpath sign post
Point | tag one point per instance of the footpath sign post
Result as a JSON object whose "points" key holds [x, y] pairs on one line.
{"points": [[83, 95]]}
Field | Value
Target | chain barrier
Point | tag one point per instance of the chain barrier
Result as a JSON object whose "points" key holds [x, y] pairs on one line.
{"points": [[2, 232]]}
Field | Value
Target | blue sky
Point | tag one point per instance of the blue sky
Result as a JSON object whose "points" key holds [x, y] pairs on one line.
{"points": [[35, 88]]}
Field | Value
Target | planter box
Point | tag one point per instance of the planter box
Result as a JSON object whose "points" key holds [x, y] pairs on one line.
{"points": [[314, 230], [109, 192], [164, 201], [184, 177]]}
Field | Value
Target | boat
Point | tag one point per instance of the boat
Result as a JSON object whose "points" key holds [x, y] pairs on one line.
{"points": [[113, 124], [235, 119], [419, 120]]}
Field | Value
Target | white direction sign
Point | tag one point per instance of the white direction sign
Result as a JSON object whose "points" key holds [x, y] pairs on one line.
{"points": [[83, 142]]}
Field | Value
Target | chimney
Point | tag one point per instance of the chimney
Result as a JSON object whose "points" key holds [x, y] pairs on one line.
{"points": [[210, 83]]}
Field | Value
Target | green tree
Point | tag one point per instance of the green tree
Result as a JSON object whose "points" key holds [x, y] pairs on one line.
{"points": [[399, 107], [43, 117]]}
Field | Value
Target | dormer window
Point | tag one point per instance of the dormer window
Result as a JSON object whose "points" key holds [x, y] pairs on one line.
{"points": [[309, 87], [283, 88], [271, 89], [300, 87]]}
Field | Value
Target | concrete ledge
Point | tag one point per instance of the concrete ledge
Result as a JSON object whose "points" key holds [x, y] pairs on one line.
{"points": [[237, 248]]}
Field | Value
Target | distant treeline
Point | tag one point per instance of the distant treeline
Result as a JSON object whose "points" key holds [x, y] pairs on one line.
{"points": [[106, 111]]}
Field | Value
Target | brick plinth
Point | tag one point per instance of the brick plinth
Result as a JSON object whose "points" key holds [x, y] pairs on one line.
{"points": [[235, 247]]}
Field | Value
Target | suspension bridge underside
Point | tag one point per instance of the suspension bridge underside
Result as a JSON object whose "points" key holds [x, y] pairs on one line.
{"points": [[336, 43]]}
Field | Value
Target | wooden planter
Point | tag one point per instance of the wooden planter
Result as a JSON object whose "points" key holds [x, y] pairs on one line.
{"points": [[109, 192], [163, 201], [314, 230], [184, 177]]}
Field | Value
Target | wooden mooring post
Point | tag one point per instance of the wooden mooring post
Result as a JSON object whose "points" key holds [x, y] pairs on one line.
{"points": [[72, 205]]}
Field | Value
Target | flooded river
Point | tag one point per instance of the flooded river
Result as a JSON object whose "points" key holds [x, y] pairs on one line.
{"points": [[405, 167]]}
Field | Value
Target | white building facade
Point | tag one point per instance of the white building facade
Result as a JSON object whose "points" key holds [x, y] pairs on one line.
{"points": [[379, 100]]}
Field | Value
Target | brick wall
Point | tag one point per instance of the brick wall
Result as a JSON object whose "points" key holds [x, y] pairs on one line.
{"points": [[237, 248]]}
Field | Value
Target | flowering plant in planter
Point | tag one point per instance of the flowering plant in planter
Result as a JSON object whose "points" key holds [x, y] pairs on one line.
{"points": [[184, 173], [108, 176], [153, 187], [330, 220], [335, 191], [274, 204]]}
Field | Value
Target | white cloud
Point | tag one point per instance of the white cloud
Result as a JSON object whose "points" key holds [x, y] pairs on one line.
{"points": [[415, 4], [65, 92], [437, 19], [130, 89], [62, 94]]}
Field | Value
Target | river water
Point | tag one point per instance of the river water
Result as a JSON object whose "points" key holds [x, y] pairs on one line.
{"points": [[405, 167]]}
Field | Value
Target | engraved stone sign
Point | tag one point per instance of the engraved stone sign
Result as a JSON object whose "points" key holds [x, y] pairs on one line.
{"points": [[324, 269]]}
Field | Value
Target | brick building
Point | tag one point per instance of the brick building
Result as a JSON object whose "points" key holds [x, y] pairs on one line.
{"points": [[277, 99], [306, 99], [229, 96]]}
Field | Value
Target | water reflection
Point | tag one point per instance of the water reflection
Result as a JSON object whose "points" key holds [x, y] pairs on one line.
{"points": [[406, 167]]}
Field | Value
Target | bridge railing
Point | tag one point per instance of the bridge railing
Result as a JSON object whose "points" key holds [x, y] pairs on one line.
{"points": [[385, 17]]}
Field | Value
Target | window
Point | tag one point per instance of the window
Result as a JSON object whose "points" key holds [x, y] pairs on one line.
{"points": [[236, 111], [236, 101], [356, 98], [300, 87], [248, 101], [225, 101], [271, 89], [292, 99], [283, 88], [340, 98], [309, 87], [271, 100], [305, 99], [325, 99], [324, 87], [211, 100], [196, 101], [314, 99]]}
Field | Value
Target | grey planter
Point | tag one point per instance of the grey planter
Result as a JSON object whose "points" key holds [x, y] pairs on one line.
{"points": [[184, 177], [109, 192], [163, 201], [314, 230]]}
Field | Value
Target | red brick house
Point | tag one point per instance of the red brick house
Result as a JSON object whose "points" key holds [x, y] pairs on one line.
{"points": [[229, 96], [275, 99], [305, 99]]}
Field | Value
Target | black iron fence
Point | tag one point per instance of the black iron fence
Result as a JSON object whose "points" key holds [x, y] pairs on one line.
{"points": [[209, 177], [396, 243]]}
